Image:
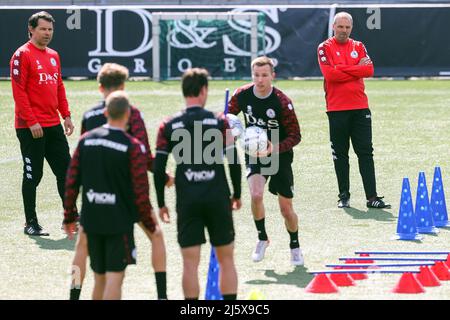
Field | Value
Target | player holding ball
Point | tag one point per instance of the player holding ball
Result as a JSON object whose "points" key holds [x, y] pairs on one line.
{"points": [[269, 108]]}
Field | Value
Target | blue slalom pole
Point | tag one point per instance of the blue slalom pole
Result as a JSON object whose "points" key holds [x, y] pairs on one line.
{"points": [[227, 94], [392, 259], [402, 252], [212, 291]]}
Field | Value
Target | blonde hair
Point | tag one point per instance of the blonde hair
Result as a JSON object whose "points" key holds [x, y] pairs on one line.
{"points": [[343, 15], [112, 75], [263, 61]]}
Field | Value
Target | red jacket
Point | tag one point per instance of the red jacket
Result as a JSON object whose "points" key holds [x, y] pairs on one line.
{"points": [[343, 77], [38, 90]]}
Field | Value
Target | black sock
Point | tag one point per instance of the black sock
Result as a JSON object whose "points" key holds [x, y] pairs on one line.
{"points": [[75, 293], [32, 221], [294, 239], [262, 235], [161, 284], [229, 296], [193, 298]]}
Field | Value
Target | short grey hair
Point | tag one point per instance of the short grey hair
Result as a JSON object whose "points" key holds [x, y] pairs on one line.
{"points": [[343, 15]]}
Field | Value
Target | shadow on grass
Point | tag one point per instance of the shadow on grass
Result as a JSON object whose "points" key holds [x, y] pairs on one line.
{"points": [[50, 244], [298, 277], [430, 234], [374, 214], [413, 241]]}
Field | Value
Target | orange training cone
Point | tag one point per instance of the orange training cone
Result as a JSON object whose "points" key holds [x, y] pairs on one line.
{"points": [[322, 284], [342, 279], [366, 255], [408, 284], [447, 262], [356, 276], [427, 277], [441, 271]]}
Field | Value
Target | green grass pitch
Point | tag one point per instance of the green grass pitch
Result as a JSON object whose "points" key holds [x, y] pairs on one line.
{"points": [[411, 129]]}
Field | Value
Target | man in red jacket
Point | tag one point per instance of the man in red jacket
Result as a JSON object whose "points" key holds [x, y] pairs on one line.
{"points": [[344, 63], [40, 100]]}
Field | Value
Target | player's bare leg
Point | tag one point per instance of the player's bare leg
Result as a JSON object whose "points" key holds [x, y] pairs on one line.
{"points": [[79, 264], [256, 183], [228, 275], [158, 259], [288, 213], [99, 286], [191, 260], [291, 222], [113, 285], [158, 249]]}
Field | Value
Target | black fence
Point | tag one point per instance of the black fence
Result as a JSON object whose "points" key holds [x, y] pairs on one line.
{"points": [[402, 41]]}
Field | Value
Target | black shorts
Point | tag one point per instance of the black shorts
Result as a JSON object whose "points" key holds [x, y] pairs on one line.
{"points": [[111, 253], [194, 217], [281, 182]]}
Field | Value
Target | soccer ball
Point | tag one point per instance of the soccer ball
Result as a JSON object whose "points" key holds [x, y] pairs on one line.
{"points": [[235, 125], [254, 140]]}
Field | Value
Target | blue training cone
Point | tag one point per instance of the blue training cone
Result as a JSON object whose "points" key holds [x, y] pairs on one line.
{"points": [[437, 202], [212, 286], [406, 225], [424, 217]]}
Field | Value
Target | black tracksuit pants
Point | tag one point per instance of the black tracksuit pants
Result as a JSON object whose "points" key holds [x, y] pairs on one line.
{"points": [[54, 148], [354, 125]]}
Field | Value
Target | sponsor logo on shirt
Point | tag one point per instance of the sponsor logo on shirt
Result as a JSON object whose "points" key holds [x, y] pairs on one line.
{"points": [[106, 143], [94, 113], [177, 125], [210, 121], [204, 175], [101, 198], [270, 113], [251, 120], [46, 78]]}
